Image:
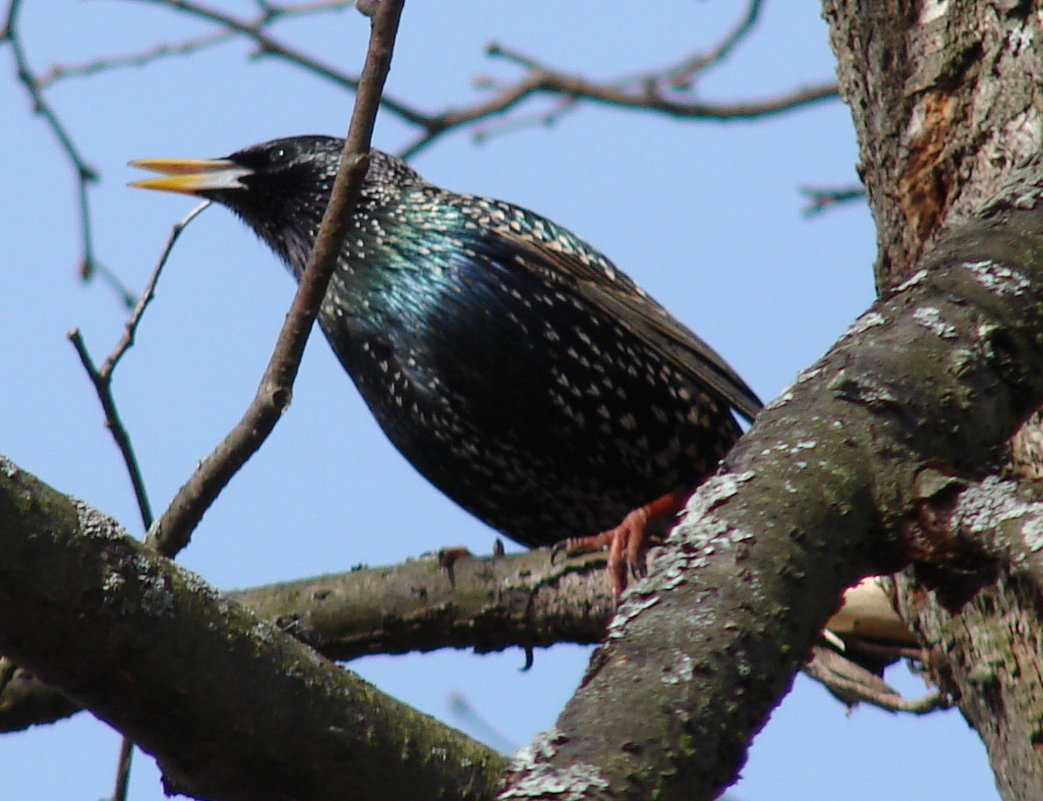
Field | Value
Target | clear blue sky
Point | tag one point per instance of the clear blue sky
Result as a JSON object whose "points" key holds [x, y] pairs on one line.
{"points": [[706, 216]]}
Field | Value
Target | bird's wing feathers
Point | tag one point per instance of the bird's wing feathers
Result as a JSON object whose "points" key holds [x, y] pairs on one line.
{"points": [[602, 285]]}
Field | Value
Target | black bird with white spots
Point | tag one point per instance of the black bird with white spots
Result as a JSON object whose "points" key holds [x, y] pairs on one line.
{"points": [[510, 362]]}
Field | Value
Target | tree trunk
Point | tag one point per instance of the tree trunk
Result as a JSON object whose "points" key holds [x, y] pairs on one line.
{"points": [[946, 99]]}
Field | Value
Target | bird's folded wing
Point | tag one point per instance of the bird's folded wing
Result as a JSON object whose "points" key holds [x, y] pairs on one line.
{"points": [[622, 301]]}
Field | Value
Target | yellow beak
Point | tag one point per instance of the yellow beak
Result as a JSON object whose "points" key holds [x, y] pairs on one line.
{"points": [[191, 176]]}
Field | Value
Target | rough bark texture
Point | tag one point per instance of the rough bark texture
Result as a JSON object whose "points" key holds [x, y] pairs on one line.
{"points": [[947, 97], [482, 603], [231, 707], [522, 600], [830, 484]]}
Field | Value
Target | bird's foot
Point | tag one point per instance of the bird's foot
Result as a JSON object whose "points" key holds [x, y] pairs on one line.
{"points": [[628, 542], [448, 557]]}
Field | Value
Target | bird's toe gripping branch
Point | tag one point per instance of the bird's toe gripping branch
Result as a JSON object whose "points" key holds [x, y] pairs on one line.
{"points": [[628, 542]]}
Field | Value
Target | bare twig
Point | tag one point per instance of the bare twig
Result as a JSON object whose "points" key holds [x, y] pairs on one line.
{"points": [[60, 72], [854, 685], [558, 109], [649, 97], [472, 720], [655, 91], [269, 14], [85, 173], [131, 326], [680, 76], [102, 378], [269, 46], [819, 200], [114, 424], [171, 532], [647, 93], [126, 754]]}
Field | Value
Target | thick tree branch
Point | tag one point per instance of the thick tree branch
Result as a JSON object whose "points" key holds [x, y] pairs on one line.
{"points": [[528, 600], [986, 656], [945, 99], [482, 603], [516, 593], [231, 707], [818, 494], [26, 701]]}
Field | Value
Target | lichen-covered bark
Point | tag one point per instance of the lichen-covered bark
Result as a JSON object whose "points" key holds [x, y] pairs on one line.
{"points": [[947, 98], [987, 656], [823, 490], [482, 603], [988, 659], [231, 707]]}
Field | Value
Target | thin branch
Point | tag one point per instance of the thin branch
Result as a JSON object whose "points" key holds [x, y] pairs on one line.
{"points": [[102, 378], [680, 76], [560, 107], [85, 173], [171, 532], [102, 381], [115, 425], [131, 326], [642, 93], [472, 720], [854, 685], [186, 47], [649, 97], [651, 91], [126, 754], [819, 199], [269, 14], [269, 46]]}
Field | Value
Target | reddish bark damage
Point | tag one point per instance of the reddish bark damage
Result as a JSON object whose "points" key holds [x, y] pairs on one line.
{"points": [[924, 188]]}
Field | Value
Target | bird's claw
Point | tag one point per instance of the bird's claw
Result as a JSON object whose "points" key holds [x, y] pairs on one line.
{"points": [[628, 542]]}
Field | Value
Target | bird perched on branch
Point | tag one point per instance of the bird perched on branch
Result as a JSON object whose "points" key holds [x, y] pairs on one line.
{"points": [[510, 362]]}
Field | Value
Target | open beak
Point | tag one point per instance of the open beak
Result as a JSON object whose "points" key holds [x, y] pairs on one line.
{"points": [[191, 176]]}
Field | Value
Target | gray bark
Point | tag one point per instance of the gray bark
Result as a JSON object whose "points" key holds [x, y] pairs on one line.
{"points": [[830, 484], [946, 99], [231, 707]]}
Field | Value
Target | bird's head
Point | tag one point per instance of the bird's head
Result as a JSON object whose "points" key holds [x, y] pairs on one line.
{"points": [[280, 188]]}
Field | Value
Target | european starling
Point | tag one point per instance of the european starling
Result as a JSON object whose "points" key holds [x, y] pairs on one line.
{"points": [[510, 362]]}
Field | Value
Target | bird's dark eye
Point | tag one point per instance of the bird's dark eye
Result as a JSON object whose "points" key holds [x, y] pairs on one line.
{"points": [[280, 154]]}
